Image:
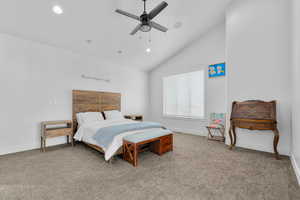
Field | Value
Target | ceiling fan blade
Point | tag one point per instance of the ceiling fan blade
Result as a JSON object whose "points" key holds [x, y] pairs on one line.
{"points": [[128, 14], [157, 9], [136, 29], [158, 26]]}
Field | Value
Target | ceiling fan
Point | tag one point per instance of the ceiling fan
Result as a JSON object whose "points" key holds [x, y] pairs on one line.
{"points": [[146, 18]]}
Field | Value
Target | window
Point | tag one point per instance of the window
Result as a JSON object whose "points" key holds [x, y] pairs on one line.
{"points": [[183, 95]]}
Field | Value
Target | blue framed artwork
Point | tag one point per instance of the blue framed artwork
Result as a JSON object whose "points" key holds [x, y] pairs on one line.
{"points": [[216, 70]]}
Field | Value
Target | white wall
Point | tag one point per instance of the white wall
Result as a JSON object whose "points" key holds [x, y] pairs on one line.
{"points": [[296, 89], [209, 49], [258, 59], [36, 84]]}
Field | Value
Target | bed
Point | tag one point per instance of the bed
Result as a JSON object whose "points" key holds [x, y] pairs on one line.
{"points": [[94, 101]]}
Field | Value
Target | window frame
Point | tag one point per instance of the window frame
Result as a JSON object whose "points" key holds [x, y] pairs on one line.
{"points": [[204, 100]]}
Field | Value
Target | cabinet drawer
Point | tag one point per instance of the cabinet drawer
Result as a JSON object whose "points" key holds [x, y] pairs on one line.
{"points": [[255, 126], [58, 132], [166, 140], [166, 148]]}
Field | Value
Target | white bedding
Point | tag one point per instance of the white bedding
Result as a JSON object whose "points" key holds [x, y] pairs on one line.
{"points": [[86, 132]]}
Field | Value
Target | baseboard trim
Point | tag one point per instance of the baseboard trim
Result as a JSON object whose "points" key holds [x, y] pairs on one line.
{"points": [[189, 131], [296, 168], [37, 148]]}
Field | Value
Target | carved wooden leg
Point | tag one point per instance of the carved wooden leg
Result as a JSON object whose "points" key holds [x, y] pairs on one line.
{"points": [[230, 135], [275, 143], [234, 135]]}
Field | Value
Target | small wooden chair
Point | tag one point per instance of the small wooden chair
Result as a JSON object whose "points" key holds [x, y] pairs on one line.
{"points": [[216, 128]]}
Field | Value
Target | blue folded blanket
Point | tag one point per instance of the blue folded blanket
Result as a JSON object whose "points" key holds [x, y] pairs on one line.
{"points": [[104, 136]]}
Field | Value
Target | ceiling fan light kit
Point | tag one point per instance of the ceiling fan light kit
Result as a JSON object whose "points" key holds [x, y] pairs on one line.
{"points": [[146, 23], [145, 28]]}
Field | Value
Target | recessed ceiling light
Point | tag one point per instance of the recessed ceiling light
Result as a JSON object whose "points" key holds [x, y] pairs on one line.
{"points": [[57, 10], [148, 50]]}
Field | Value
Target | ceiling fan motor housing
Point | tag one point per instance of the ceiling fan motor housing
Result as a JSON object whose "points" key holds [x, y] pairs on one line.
{"points": [[145, 22], [144, 18]]}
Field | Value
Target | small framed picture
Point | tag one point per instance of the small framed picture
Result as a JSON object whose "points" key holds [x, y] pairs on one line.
{"points": [[216, 70]]}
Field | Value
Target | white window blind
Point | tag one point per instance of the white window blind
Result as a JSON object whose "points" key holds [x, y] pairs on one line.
{"points": [[183, 95]]}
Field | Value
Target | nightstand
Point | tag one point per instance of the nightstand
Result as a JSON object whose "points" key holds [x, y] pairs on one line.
{"points": [[51, 129], [134, 117]]}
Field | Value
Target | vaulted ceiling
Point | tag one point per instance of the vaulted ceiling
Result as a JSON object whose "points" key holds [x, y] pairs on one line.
{"points": [[95, 20]]}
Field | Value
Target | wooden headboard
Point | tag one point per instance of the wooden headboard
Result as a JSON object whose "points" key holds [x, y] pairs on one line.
{"points": [[93, 101]]}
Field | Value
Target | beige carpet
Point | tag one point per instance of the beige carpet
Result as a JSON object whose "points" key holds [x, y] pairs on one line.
{"points": [[196, 170]]}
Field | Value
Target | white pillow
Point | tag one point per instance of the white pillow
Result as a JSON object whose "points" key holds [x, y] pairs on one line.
{"points": [[83, 118], [113, 114]]}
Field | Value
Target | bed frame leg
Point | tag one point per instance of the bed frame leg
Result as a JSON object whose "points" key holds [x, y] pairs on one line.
{"points": [[110, 160]]}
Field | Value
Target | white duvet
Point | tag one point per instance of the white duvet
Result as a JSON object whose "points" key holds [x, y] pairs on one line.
{"points": [[86, 132]]}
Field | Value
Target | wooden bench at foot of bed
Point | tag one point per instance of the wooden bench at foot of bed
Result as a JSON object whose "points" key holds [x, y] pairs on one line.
{"points": [[134, 144]]}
